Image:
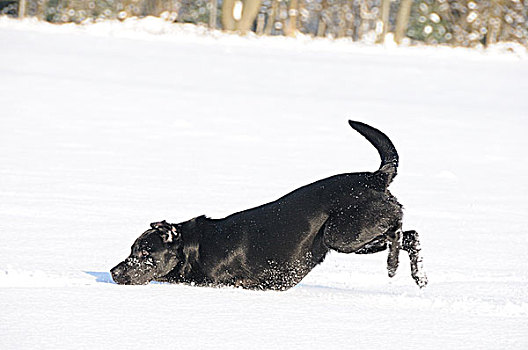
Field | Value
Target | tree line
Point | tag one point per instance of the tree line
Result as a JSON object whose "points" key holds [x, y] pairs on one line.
{"points": [[454, 22]]}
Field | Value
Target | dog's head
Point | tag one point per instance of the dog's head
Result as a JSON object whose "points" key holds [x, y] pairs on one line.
{"points": [[154, 254]]}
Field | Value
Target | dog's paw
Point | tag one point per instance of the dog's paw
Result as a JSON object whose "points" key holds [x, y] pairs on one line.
{"points": [[421, 280], [392, 270]]}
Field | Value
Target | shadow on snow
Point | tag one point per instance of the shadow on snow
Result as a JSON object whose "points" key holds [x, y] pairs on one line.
{"points": [[106, 277], [101, 277]]}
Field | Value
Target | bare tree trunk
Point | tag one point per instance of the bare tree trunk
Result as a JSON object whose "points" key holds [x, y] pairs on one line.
{"points": [[212, 13], [260, 24], [364, 18], [271, 17], [40, 12], [494, 22], [321, 27], [21, 8], [160, 7], [341, 31], [350, 26], [250, 11], [385, 11], [151, 8], [402, 20], [293, 12], [228, 20]]}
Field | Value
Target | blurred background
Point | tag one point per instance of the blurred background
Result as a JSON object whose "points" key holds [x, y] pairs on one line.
{"points": [[466, 23]]}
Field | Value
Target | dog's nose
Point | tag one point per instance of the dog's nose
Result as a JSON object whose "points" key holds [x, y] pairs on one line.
{"points": [[118, 274]]}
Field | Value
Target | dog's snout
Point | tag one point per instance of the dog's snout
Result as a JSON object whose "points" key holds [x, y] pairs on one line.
{"points": [[118, 274]]}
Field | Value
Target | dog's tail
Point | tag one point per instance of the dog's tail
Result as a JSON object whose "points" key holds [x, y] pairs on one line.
{"points": [[385, 148]]}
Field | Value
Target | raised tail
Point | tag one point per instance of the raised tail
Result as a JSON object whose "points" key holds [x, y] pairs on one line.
{"points": [[385, 148]]}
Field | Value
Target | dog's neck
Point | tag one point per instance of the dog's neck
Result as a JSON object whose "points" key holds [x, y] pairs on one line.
{"points": [[188, 251]]}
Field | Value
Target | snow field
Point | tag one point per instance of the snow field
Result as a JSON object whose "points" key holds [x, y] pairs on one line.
{"points": [[108, 127]]}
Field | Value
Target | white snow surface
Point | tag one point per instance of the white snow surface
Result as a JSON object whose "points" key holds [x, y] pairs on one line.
{"points": [[107, 127]]}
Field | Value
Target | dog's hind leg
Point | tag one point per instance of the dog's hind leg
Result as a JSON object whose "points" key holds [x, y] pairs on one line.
{"points": [[376, 246], [391, 240], [411, 244], [394, 239]]}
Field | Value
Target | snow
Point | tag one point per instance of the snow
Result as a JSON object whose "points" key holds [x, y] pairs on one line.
{"points": [[109, 126]]}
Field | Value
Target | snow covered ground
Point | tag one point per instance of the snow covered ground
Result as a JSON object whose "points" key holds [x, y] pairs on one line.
{"points": [[108, 127]]}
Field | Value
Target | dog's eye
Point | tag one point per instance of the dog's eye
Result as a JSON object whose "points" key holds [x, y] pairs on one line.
{"points": [[144, 253]]}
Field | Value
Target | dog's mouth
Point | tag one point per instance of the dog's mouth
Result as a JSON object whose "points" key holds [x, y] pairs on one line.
{"points": [[131, 271]]}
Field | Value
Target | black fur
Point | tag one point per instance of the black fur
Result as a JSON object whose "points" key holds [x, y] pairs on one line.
{"points": [[275, 245]]}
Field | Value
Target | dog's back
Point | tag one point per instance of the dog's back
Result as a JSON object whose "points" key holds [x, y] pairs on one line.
{"points": [[275, 245]]}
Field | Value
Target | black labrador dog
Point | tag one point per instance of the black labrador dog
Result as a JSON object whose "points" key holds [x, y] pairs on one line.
{"points": [[273, 246]]}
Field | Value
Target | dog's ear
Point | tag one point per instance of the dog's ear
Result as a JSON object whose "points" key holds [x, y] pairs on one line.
{"points": [[172, 235], [169, 233], [158, 225]]}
